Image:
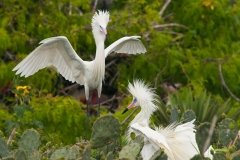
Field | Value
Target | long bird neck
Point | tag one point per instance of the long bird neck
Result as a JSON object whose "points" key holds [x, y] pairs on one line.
{"points": [[143, 116], [99, 62]]}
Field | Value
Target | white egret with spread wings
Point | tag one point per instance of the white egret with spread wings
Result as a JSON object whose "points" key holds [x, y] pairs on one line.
{"points": [[58, 52], [177, 140]]}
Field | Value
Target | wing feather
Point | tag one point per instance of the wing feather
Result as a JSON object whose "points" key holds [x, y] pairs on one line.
{"points": [[157, 140], [25, 69], [54, 51], [128, 45], [178, 141]]}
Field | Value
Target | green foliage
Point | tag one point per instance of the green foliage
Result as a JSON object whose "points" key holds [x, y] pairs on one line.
{"points": [[107, 148], [20, 154], [219, 156], [174, 115], [227, 131], [130, 151], [235, 156], [159, 155], [87, 153], [197, 157], [29, 141], [106, 129], [140, 140], [4, 116], [203, 105], [66, 153], [109, 156], [4, 152], [55, 112], [202, 135], [188, 115]]}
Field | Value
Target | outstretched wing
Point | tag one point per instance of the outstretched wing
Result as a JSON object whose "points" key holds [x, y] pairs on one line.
{"points": [[128, 45], [54, 51], [157, 140]]}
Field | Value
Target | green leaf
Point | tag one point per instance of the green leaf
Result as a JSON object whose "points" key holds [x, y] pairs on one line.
{"points": [[38, 124]]}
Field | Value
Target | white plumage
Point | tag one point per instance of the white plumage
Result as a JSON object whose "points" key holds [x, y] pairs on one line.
{"points": [[58, 52], [177, 140]]}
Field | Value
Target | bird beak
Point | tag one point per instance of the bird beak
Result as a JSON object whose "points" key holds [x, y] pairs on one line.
{"points": [[129, 107], [104, 30], [107, 38]]}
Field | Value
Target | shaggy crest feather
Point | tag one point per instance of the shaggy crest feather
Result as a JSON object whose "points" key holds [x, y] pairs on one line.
{"points": [[146, 99], [100, 18], [144, 94]]}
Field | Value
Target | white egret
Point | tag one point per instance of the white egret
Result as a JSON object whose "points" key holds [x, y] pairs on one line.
{"points": [[178, 141], [58, 52]]}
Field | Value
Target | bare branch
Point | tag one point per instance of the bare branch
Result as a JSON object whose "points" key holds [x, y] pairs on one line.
{"points": [[169, 25], [235, 140], [207, 142], [224, 84], [94, 6], [69, 87], [104, 102], [185, 73], [70, 9], [156, 78], [12, 136], [110, 63], [167, 16], [115, 76], [129, 116], [167, 2]]}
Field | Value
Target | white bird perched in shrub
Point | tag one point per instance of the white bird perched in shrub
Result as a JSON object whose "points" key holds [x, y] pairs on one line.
{"points": [[58, 52], [177, 140]]}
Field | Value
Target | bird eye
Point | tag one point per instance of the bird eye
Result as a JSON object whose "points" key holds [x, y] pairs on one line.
{"points": [[100, 27], [135, 100]]}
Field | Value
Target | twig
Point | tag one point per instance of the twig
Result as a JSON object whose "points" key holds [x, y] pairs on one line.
{"points": [[94, 6], [70, 9], [169, 25], [104, 102], [167, 16], [115, 76], [156, 78], [12, 135], [206, 144], [185, 73], [110, 63], [126, 119], [172, 32], [167, 2], [70, 87], [224, 84]]}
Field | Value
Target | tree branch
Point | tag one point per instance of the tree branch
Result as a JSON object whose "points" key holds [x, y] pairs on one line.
{"points": [[115, 76], [167, 2], [12, 135], [70, 87], [169, 25], [207, 142], [156, 78], [129, 116], [185, 73], [104, 102], [94, 6], [224, 84]]}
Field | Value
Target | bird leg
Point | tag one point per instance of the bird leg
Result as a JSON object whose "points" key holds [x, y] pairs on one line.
{"points": [[98, 106], [87, 118]]}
